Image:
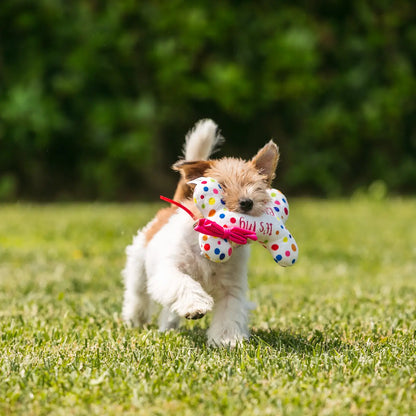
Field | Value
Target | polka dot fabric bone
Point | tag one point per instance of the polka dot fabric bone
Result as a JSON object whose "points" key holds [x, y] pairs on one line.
{"points": [[269, 228]]}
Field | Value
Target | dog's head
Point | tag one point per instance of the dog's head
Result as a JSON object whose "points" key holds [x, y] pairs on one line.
{"points": [[244, 183]]}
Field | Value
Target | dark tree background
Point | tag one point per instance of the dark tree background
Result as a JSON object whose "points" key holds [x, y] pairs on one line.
{"points": [[96, 96]]}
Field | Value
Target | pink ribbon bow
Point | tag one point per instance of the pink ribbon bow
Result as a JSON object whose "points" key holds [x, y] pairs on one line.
{"points": [[235, 234], [203, 225]]}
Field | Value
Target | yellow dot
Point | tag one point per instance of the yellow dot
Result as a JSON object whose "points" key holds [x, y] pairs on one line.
{"points": [[195, 200], [285, 240], [211, 201]]}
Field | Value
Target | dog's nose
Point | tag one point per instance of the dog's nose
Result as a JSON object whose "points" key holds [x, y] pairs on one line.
{"points": [[246, 204]]}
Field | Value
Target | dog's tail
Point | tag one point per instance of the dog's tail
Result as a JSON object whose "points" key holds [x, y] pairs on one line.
{"points": [[201, 142]]}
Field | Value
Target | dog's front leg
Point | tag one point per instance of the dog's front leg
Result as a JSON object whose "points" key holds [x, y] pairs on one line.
{"points": [[229, 324], [179, 292]]}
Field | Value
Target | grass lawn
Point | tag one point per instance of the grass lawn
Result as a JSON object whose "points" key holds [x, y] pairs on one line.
{"points": [[334, 335]]}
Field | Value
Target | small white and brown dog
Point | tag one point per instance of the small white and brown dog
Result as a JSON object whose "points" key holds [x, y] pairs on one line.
{"points": [[164, 263]]}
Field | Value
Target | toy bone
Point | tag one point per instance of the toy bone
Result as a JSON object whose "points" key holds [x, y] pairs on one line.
{"points": [[268, 229]]}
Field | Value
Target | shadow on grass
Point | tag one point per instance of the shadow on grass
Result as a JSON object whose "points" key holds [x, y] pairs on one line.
{"points": [[283, 340]]}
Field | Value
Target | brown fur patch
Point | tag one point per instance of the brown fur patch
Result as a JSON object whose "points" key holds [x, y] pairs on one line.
{"points": [[189, 170], [161, 218], [183, 191]]}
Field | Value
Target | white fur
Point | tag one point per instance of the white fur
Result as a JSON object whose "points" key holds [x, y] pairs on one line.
{"points": [[170, 270], [202, 141]]}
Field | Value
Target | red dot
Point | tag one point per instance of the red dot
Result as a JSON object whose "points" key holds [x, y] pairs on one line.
{"points": [[286, 211], [202, 196], [207, 247], [230, 250], [287, 253], [215, 191], [233, 220], [204, 182], [275, 247], [277, 202]]}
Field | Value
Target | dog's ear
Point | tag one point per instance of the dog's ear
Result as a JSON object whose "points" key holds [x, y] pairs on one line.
{"points": [[266, 160], [191, 170]]}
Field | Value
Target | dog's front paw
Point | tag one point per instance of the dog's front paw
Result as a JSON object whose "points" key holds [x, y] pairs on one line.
{"points": [[193, 307]]}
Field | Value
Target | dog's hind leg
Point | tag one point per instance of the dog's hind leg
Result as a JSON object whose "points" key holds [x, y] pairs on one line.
{"points": [[137, 303], [168, 320]]}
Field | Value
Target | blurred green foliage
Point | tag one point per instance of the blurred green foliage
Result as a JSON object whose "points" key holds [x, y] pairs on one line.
{"points": [[96, 96]]}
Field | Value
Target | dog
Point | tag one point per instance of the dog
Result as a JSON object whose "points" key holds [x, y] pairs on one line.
{"points": [[164, 263]]}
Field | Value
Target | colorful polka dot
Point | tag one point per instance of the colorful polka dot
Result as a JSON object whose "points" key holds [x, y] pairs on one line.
{"points": [[222, 256], [293, 247], [230, 251], [275, 247], [215, 191], [277, 232], [204, 182], [211, 213], [276, 209], [202, 197], [205, 237], [222, 202], [233, 220], [206, 189], [211, 201], [207, 247], [286, 211], [287, 253], [217, 251], [278, 257], [285, 239], [222, 216]]}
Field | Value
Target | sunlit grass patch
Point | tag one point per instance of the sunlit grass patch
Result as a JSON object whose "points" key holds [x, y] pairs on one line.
{"points": [[335, 334]]}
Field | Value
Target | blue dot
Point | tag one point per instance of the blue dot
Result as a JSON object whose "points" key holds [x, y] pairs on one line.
{"points": [[293, 261], [278, 257], [217, 251], [222, 202], [219, 186], [222, 215], [281, 227], [225, 240], [222, 257], [284, 200], [276, 209], [290, 236], [206, 188]]}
